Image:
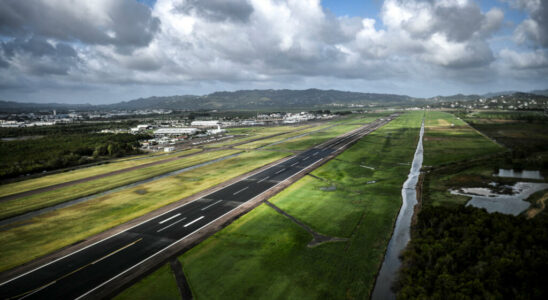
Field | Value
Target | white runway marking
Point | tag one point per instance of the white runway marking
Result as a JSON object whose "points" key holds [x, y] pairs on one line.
{"points": [[263, 179], [236, 193], [211, 205], [280, 171], [316, 153], [188, 224], [173, 217], [170, 225], [306, 158], [294, 164]]}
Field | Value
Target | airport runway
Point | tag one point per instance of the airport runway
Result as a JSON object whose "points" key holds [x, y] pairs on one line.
{"points": [[81, 272]]}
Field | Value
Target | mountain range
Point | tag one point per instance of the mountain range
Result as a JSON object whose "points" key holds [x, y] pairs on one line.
{"points": [[256, 100]]}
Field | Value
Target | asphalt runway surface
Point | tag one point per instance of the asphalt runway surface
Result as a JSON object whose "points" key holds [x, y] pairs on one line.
{"points": [[83, 271]]}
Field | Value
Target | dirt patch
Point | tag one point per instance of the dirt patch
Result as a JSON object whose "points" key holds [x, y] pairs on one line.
{"points": [[141, 191], [532, 212]]}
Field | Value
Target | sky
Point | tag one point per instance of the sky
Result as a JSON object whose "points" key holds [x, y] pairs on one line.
{"points": [[106, 51]]}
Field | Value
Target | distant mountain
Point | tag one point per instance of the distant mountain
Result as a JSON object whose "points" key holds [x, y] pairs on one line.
{"points": [[258, 100], [264, 99], [18, 107], [540, 92], [515, 101]]}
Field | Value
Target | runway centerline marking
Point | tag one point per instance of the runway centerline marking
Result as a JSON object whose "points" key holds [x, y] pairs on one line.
{"points": [[211, 205], [295, 163], [263, 179], [188, 224], [172, 217], [280, 171], [316, 153], [306, 158], [160, 230], [116, 251], [236, 193]]}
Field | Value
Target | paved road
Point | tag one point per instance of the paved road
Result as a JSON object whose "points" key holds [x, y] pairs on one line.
{"points": [[83, 271]]}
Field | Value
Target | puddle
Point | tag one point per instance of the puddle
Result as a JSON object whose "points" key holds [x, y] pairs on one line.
{"points": [[402, 233], [513, 204], [525, 174]]}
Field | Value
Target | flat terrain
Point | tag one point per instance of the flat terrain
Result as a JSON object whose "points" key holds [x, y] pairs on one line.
{"points": [[75, 274], [269, 252]]}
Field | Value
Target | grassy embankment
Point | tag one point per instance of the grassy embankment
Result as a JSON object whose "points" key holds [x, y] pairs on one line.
{"points": [[158, 285], [114, 165], [44, 199], [263, 254], [51, 231], [463, 252]]}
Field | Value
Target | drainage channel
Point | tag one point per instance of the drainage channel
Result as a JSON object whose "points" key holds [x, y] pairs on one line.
{"points": [[402, 230]]}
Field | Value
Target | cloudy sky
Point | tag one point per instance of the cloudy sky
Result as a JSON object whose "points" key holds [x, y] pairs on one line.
{"points": [[103, 51]]}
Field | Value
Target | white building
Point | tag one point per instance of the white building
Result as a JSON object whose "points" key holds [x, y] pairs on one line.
{"points": [[169, 149], [175, 131], [204, 124]]}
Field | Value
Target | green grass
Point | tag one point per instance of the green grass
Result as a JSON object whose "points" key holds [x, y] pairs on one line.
{"points": [[159, 285], [21, 205], [313, 139], [264, 255], [51, 231], [448, 139], [40, 182], [254, 132], [454, 148], [264, 142]]}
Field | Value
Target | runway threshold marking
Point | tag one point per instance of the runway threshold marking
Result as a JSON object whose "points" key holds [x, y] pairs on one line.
{"points": [[172, 217], [263, 179], [211, 205], [280, 171], [192, 222], [160, 230], [26, 294], [236, 193]]}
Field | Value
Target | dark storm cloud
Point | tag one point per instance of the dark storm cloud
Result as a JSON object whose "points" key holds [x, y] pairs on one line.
{"points": [[37, 56], [127, 24], [219, 10]]}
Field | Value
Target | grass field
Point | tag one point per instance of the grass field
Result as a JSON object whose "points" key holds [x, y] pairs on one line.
{"points": [[448, 139], [158, 285], [260, 143], [18, 206], [313, 139], [51, 231], [264, 255], [35, 183], [251, 133]]}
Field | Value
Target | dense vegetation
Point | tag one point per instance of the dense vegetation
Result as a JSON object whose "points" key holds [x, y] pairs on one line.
{"points": [[464, 253], [60, 150], [459, 252]]}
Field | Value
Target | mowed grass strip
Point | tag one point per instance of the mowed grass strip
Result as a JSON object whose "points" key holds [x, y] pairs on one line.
{"points": [[159, 285], [254, 132], [40, 200], [265, 255], [448, 139], [260, 143], [313, 139], [35, 183], [54, 230]]}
